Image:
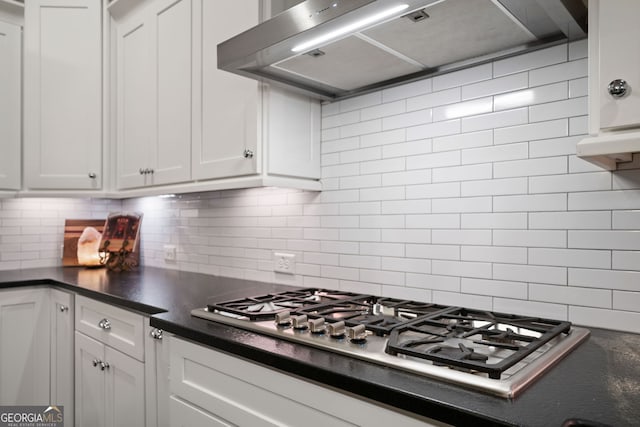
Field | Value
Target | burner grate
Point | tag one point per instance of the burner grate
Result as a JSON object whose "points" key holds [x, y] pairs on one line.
{"points": [[486, 342]]}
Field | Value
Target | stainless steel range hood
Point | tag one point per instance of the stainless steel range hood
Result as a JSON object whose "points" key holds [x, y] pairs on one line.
{"points": [[332, 49]]}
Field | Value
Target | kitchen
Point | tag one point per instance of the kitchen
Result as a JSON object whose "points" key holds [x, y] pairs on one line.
{"points": [[489, 210]]}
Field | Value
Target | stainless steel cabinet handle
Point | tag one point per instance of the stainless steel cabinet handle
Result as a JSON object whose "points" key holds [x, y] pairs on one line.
{"points": [[63, 308], [618, 88], [105, 324], [157, 334], [248, 154], [92, 175]]}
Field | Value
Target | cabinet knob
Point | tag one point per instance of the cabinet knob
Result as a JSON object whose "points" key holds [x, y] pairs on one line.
{"points": [[151, 171], [248, 154], [142, 171], [104, 365], [96, 362], [157, 334], [618, 88], [105, 324], [63, 308], [93, 175]]}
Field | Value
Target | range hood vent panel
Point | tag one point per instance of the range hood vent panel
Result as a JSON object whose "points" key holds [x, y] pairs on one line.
{"points": [[457, 34], [481, 28]]}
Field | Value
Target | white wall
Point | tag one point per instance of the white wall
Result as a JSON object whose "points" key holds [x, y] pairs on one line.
{"points": [[461, 189]]}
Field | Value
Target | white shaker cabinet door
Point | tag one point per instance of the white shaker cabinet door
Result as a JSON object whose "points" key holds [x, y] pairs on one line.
{"points": [[10, 105], [124, 403], [63, 94], [62, 324], [619, 58], [135, 100], [227, 128], [24, 347], [89, 382]]}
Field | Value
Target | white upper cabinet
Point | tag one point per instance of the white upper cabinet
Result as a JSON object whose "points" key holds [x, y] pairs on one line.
{"points": [[63, 94], [153, 94], [614, 83], [227, 126], [10, 104], [181, 124]]}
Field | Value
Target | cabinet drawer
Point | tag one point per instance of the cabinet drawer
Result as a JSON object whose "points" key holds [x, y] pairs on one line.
{"points": [[118, 328]]}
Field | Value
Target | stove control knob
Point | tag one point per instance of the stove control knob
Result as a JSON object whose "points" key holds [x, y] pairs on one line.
{"points": [[300, 322], [317, 326], [283, 318], [358, 333], [336, 329]]}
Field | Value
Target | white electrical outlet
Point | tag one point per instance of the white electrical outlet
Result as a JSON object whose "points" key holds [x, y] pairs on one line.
{"points": [[284, 263], [169, 253]]}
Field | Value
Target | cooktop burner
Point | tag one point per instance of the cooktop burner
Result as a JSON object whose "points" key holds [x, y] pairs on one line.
{"points": [[496, 352]]}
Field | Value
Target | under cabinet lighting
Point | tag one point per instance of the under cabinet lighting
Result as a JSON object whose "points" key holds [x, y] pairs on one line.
{"points": [[361, 23]]}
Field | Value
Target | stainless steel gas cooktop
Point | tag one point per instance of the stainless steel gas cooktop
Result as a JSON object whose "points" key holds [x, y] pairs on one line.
{"points": [[497, 353]]}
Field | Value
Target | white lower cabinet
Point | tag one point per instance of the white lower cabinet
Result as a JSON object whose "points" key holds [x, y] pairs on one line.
{"points": [[156, 366], [24, 346], [210, 388], [109, 386], [61, 318]]}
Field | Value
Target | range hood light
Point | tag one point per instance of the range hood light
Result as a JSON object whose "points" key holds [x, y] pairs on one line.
{"points": [[347, 29]]}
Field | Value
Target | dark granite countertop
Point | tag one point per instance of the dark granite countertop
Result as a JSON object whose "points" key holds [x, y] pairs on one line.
{"points": [[598, 381]]}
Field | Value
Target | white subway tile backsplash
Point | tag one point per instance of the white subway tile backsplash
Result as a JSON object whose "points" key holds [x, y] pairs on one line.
{"points": [[383, 110], [496, 288], [433, 221], [433, 130], [559, 109], [461, 268], [494, 220], [629, 301], [610, 319], [403, 149], [407, 119], [468, 300], [627, 239], [463, 77], [531, 308], [570, 220], [462, 173], [554, 147], [483, 207], [380, 138], [531, 132], [625, 260], [494, 187], [429, 281], [560, 72], [464, 140], [495, 120], [530, 238], [501, 254], [604, 279], [431, 100], [495, 86], [408, 90], [570, 295], [570, 183], [531, 273], [434, 160], [535, 95], [528, 61], [495, 154], [530, 203], [570, 257], [463, 109], [465, 204]]}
